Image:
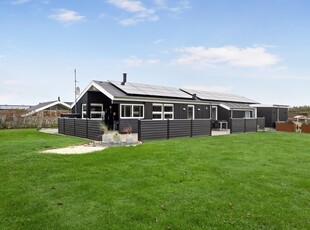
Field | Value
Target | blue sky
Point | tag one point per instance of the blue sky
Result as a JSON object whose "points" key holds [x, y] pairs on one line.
{"points": [[255, 48]]}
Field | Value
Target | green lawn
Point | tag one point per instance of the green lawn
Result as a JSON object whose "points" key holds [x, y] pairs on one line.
{"points": [[246, 181]]}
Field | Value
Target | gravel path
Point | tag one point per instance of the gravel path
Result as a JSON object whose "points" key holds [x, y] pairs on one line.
{"points": [[81, 149]]}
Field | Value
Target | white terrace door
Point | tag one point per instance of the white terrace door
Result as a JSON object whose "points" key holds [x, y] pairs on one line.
{"points": [[191, 112]]}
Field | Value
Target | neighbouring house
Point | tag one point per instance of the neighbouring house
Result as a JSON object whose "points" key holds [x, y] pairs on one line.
{"points": [[48, 109], [121, 104], [9, 112], [272, 113]]}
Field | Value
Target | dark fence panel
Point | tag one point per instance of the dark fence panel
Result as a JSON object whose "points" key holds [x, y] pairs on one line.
{"points": [[179, 128], [261, 123], [70, 127], [81, 128], [94, 131], [242, 125], [237, 125], [125, 123], [251, 125], [201, 127], [84, 128], [151, 130], [61, 126]]}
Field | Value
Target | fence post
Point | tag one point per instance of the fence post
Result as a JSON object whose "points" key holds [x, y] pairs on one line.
{"points": [[168, 129], [139, 130], [74, 127], [244, 128], [86, 127], [65, 126], [210, 126], [256, 123], [231, 126], [191, 133]]}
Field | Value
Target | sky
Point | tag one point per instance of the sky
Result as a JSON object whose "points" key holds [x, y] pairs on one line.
{"points": [[259, 49]]}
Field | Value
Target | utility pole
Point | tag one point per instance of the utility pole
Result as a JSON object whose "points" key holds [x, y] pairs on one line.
{"points": [[75, 108]]}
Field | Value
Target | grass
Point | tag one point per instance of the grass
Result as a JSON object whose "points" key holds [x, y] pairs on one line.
{"points": [[246, 181]]}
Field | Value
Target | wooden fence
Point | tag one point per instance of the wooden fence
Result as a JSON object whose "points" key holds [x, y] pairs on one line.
{"points": [[165, 129], [243, 125]]}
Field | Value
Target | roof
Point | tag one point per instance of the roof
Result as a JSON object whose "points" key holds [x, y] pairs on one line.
{"points": [[130, 92], [5, 107], [235, 106], [150, 90], [44, 105], [216, 96]]}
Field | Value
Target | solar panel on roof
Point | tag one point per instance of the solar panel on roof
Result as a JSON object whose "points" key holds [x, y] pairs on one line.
{"points": [[204, 95], [150, 90]]}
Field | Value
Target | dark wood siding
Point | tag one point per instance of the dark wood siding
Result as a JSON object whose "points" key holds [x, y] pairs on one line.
{"points": [[238, 114], [283, 114], [202, 111], [179, 113], [270, 115], [223, 114], [151, 130]]}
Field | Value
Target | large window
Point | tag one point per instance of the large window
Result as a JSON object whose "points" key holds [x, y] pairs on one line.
{"points": [[96, 111], [132, 111], [162, 111]]}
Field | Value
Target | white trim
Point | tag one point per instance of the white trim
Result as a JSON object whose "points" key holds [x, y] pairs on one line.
{"points": [[162, 113], [216, 112], [191, 106], [225, 106], [269, 106], [98, 87], [45, 107], [131, 117]]}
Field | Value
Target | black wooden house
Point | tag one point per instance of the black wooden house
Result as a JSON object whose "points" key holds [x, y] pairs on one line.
{"points": [[121, 104]]}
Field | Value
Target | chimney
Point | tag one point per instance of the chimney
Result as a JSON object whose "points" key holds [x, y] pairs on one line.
{"points": [[124, 78], [58, 98], [194, 96]]}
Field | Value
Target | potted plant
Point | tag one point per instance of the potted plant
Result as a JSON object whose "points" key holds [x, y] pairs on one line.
{"points": [[129, 137], [106, 137], [116, 137]]}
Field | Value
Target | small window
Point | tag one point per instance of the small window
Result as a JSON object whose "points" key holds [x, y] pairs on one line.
{"points": [[248, 114], [162, 111], [96, 111]]}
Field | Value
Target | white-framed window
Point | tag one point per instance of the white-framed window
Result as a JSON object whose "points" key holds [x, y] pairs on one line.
{"points": [[214, 113], [84, 110], [132, 110], [191, 112], [96, 111], [162, 111], [247, 114]]}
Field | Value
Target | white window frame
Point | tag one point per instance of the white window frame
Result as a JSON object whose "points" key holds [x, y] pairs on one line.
{"points": [[162, 113], [247, 114], [157, 112], [96, 112], [84, 111], [216, 114], [131, 111], [191, 106]]}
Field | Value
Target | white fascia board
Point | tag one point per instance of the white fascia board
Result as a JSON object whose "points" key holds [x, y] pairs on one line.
{"points": [[225, 106], [159, 100], [94, 84], [45, 107], [269, 106]]}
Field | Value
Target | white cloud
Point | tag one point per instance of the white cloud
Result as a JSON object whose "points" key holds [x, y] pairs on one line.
{"points": [[131, 6], [18, 2], [12, 82], [67, 16], [220, 89], [158, 41], [153, 61], [230, 55], [140, 13], [133, 61]]}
